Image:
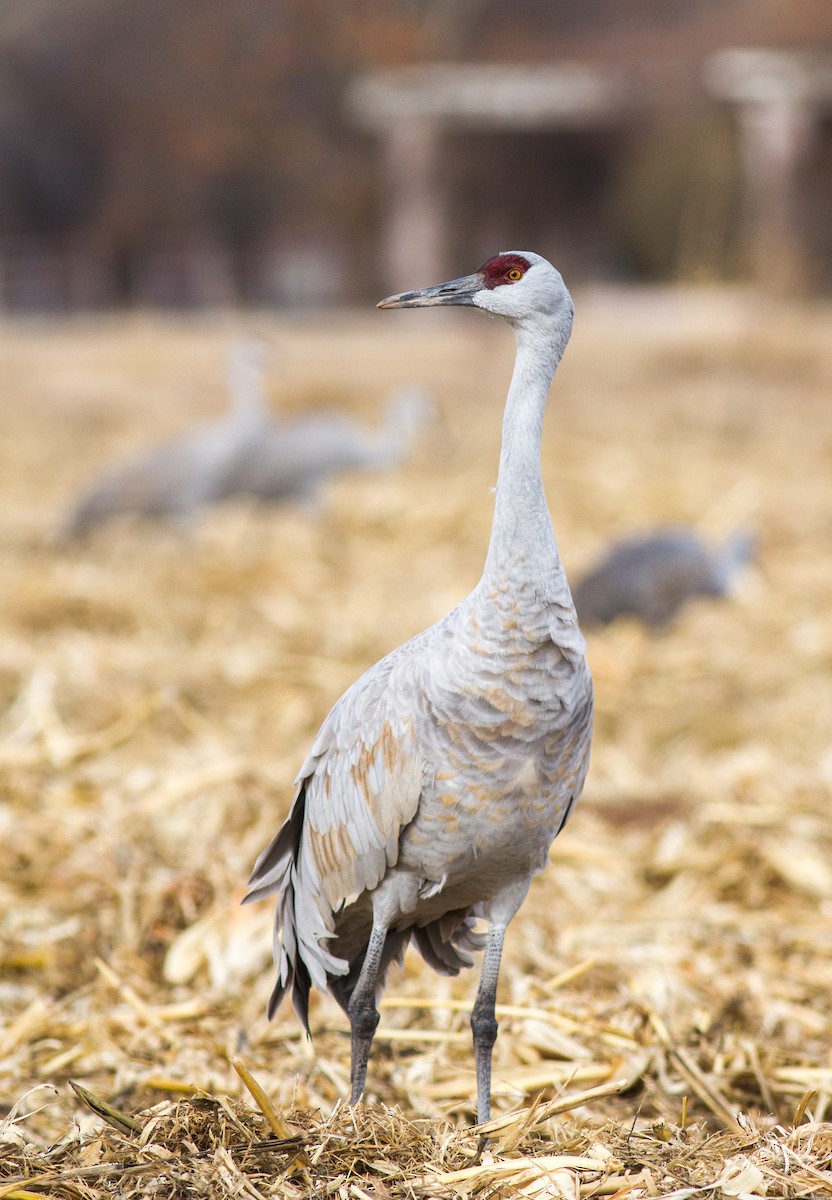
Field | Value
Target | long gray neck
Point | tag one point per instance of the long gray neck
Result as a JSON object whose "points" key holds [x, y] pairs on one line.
{"points": [[522, 541]]}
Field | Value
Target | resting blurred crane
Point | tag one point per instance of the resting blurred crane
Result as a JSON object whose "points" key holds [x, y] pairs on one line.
{"points": [[653, 575], [294, 456], [179, 477], [439, 780]]}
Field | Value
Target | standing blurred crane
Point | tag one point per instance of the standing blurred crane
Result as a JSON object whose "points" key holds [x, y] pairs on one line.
{"points": [[653, 575], [295, 455], [439, 780], [179, 477]]}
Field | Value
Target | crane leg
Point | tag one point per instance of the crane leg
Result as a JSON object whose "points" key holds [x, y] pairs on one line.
{"points": [[483, 1019], [363, 1013], [484, 1022]]}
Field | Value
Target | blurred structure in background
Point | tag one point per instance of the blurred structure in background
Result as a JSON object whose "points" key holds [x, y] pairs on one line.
{"points": [[782, 102], [431, 120], [306, 153]]}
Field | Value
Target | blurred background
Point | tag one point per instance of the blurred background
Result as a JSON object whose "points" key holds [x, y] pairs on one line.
{"points": [[199, 204], [304, 153]]}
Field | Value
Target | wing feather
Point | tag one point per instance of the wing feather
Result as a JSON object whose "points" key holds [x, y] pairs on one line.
{"points": [[358, 788]]}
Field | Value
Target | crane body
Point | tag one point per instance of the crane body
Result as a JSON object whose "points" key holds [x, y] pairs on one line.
{"points": [[439, 780], [247, 452], [294, 456], [175, 479]]}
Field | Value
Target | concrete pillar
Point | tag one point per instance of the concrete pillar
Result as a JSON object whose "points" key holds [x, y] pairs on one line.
{"points": [[413, 205], [779, 96], [775, 140]]}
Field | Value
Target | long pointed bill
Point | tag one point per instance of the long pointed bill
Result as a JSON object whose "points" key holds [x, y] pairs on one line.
{"points": [[458, 291]]}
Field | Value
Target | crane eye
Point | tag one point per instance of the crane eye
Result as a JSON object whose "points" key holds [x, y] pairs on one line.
{"points": [[514, 274]]}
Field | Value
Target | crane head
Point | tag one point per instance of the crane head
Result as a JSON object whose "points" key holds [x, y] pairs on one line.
{"points": [[514, 284]]}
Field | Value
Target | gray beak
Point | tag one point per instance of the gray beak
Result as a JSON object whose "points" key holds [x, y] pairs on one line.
{"points": [[458, 291]]}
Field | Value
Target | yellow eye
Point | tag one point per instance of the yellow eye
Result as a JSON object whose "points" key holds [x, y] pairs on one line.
{"points": [[515, 274]]}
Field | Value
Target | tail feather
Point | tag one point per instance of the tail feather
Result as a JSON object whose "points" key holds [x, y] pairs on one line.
{"points": [[439, 955], [271, 871], [308, 950], [466, 938], [292, 971], [300, 993], [445, 944], [297, 978]]}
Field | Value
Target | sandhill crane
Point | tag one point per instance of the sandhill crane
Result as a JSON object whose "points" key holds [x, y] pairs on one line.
{"points": [[651, 576], [175, 479], [439, 780], [295, 455]]}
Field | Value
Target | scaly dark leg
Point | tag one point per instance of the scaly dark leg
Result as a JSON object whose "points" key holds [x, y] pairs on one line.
{"points": [[363, 1013], [484, 1022]]}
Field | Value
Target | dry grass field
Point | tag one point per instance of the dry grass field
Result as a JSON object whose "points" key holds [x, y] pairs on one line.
{"points": [[159, 691]]}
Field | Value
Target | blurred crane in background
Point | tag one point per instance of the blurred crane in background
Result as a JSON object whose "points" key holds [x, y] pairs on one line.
{"points": [[249, 452], [295, 455], [176, 479], [653, 575]]}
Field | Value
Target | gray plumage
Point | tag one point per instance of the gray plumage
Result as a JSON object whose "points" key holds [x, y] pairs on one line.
{"points": [[294, 456], [439, 780], [175, 479], [651, 576]]}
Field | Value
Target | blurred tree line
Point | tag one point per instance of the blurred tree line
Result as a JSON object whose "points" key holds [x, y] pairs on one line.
{"points": [[126, 125], [132, 128]]}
